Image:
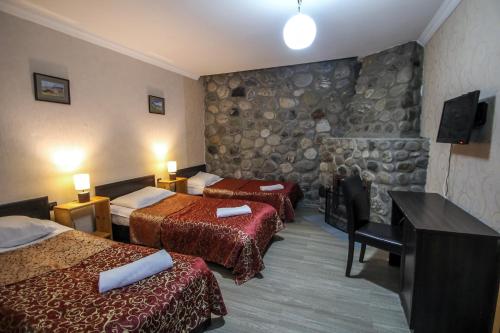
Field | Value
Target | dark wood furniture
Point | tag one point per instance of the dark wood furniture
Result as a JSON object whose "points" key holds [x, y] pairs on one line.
{"points": [[449, 271], [37, 208], [114, 190], [335, 210], [117, 189], [360, 229], [191, 171]]}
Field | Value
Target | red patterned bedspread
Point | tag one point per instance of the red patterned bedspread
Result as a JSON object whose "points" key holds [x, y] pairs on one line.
{"points": [[67, 300], [145, 224], [188, 224], [236, 242], [282, 200]]}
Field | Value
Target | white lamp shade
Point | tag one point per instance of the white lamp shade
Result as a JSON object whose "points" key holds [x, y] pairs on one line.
{"points": [[82, 181], [172, 166], [299, 32]]}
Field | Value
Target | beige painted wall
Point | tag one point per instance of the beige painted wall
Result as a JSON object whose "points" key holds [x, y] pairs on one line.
{"points": [[108, 119], [194, 96], [464, 55]]}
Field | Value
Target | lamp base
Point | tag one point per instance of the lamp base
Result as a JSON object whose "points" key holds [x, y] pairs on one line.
{"points": [[84, 197], [172, 176]]}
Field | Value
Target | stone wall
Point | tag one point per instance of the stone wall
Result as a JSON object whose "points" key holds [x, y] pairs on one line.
{"points": [[269, 123], [387, 100], [273, 123], [389, 164]]}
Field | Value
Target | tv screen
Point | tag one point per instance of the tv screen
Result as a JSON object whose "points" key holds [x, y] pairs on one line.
{"points": [[457, 119]]}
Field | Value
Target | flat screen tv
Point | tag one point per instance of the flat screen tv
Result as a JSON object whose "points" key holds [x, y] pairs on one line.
{"points": [[458, 119]]}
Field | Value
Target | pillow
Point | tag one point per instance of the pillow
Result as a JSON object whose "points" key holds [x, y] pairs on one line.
{"points": [[121, 211], [195, 190], [142, 198], [18, 230], [202, 179]]}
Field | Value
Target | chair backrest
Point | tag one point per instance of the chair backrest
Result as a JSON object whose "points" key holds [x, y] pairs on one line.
{"points": [[357, 203]]}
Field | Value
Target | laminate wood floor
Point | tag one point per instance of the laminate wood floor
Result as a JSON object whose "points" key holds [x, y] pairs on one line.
{"points": [[303, 287]]}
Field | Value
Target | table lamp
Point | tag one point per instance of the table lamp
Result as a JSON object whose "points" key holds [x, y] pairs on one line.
{"points": [[172, 169], [82, 183]]}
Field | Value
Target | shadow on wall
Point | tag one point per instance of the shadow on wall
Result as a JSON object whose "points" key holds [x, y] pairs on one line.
{"points": [[480, 142], [45, 67]]}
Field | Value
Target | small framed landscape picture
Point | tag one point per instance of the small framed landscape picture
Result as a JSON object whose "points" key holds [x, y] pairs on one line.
{"points": [[156, 104], [51, 89]]}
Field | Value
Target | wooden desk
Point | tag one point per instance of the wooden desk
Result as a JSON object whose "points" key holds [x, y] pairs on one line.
{"points": [[62, 215], [178, 185], [449, 275]]}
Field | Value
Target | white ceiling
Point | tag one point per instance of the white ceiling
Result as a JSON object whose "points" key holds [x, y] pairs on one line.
{"points": [[200, 37]]}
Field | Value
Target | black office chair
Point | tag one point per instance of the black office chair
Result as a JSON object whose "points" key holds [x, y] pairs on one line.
{"points": [[360, 229]]}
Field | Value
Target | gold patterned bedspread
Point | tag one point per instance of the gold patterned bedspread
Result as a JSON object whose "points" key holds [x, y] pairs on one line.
{"points": [[61, 251], [283, 200], [188, 224], [145, 223], [53, 287]]}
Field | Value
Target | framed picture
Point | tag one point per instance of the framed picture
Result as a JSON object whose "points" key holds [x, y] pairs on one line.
{"points": [[51, 89], [156, 104]]}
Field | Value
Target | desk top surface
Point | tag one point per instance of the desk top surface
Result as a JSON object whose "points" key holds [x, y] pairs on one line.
{"points": [[432, 212]]}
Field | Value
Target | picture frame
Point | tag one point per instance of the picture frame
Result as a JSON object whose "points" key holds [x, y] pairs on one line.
{"points": [[51, 89], [156, 104]]}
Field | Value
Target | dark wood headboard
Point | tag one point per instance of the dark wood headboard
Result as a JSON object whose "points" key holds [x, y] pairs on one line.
{"points": [[191, 171], [117, 189], [37, 208]]}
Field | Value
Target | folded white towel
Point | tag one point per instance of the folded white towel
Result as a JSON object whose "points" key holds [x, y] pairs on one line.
{"points": [[233, 211], [272, 187], [135, 271]]}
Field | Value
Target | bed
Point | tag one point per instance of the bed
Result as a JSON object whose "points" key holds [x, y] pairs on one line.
{"points": [[284, 200], [50, 285], [187, 224]]}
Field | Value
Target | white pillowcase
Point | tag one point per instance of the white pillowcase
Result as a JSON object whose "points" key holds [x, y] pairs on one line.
{"points": [[195, 190], [121, 211], [202, 179], [142, 198], [18, 230]]}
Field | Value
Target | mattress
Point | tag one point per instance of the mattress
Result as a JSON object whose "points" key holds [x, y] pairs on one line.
{"points": [[120, 215]]}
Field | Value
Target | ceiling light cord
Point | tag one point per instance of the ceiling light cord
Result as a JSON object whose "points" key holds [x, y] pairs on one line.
{"points": [[299, 3]]}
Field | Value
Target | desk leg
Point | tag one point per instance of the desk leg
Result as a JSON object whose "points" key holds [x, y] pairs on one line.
{"points": [[396, 216]]}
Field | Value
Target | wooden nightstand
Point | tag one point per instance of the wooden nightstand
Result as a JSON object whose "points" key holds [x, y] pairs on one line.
{"points": [[178, 185], [62, 214]]}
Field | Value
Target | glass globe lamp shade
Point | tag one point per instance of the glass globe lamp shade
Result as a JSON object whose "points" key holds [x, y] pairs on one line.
{"points": [[299, 32]]}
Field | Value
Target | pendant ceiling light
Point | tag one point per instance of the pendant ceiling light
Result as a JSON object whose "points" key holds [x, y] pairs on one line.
{"points": [[299, 31]]}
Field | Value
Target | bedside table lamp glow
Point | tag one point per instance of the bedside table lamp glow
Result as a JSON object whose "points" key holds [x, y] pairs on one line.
{"points": [[82, 183], [172, 169]]}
